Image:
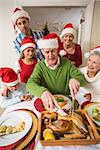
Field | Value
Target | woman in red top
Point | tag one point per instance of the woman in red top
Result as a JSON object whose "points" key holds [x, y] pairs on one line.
{"points": [[70, 49], [27, 62]]}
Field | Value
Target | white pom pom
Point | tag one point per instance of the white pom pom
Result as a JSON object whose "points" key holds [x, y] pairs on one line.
{"points": [[62, 53], [87, 54]]}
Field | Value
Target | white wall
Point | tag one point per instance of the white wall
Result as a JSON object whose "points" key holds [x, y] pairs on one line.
{"points": [[88, 26], [95, 37], [53, 2], [7, 53], [55, 17]]}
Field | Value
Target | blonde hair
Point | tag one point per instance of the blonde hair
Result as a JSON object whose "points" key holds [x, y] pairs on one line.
{"points": [[22, 56]]}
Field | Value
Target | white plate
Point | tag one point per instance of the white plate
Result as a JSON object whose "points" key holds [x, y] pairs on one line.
{"points": [[69, 103], [12, 119], [90, 112]]}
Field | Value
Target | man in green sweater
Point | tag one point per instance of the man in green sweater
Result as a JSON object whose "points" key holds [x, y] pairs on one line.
{"points": [[53, 75]]}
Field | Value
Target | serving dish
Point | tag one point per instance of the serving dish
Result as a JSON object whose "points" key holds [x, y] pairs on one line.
{"points": [[66, 138], [11, 119], [89, 109]]}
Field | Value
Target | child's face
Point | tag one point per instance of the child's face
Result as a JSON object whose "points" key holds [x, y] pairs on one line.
{"points": [[29, 52], [23, 25], [13, 88]]}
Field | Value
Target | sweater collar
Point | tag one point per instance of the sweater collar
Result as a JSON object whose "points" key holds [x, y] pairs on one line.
{"points": [[54, 67], [96, 77]]}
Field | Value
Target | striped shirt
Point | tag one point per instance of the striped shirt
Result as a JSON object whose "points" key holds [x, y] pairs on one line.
{"points": [[18, 40]]}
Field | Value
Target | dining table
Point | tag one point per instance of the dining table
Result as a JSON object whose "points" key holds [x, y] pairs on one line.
{"points": [[34, 143]]}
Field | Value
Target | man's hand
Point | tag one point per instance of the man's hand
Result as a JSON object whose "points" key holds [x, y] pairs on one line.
{"points": [[74, 87], [49, 100]]}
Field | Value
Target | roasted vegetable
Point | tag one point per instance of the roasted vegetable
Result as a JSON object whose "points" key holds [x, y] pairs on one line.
{"points": [[96, 113]]}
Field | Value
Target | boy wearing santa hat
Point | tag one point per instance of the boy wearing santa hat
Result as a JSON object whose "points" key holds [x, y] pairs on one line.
{"points": [[16, 90], [53, 75], [21, 23], [70, 49]]}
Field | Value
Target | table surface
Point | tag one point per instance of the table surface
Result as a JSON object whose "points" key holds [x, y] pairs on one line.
{"points": [[30, 105], [1, 110]]}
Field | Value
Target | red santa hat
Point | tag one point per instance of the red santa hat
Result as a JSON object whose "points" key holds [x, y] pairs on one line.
{"points": [[96, 49], [27, 42], [68, 28], [19, 13], [49, 41], [9, 76]]}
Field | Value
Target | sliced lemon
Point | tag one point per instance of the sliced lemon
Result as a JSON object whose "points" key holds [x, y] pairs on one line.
{"points": [[47, 131]]}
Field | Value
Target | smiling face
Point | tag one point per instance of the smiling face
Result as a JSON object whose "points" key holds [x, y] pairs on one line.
{"points": [[29, 53], [23, 25], [51, 56], [93, 64], [68, 39]]}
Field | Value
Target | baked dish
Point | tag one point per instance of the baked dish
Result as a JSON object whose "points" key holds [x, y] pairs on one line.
{"points": [[5, 130], [77, 128]]}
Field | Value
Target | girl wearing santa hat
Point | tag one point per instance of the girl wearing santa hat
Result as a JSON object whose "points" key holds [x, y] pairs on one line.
{"points": [[70, 49], [16, 91], [21, 23], [25, 65]]}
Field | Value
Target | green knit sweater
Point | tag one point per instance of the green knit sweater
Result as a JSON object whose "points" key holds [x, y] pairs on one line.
{"points": [[56, 81]]}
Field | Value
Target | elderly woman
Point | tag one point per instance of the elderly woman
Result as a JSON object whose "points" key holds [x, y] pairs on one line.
{"points": [[70, 49], [53, 75], [92, 75]]}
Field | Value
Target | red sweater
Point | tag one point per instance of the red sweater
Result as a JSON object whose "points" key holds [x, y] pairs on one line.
{"points": [[26, 70], [76, 57]]}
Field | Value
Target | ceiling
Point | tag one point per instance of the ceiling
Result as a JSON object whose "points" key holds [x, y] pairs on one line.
{"points": [[42, 3], [53, 2]]}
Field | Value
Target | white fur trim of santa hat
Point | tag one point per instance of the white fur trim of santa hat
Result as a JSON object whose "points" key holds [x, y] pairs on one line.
{"points": [[87, 54], [68, 30], [19, 14], [48, 43], [24, 46], [62, 52], [11, 83]]}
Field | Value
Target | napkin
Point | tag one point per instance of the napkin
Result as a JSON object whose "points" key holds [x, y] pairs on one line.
{"points": [[11, 146], [38, 104]]}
